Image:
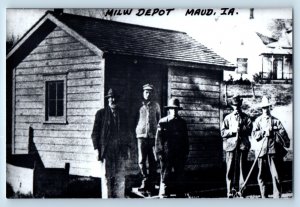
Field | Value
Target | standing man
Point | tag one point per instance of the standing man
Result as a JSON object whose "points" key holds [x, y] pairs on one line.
{"points": [[148, 117], [235, 131], [110, 139], [172, 148], [269, 131]]}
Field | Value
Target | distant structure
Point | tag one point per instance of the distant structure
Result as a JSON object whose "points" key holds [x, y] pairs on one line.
{"points": [[277, 58]]}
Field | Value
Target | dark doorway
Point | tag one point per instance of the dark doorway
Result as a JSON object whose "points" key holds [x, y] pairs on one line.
{"points": [[143, 74], [127, 77]]}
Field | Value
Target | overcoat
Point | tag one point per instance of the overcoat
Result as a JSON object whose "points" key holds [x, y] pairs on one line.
{"points": [[172, 140], [105, 130]]}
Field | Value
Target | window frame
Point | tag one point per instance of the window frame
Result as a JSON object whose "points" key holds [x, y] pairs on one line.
{"points": [[50, 78]]}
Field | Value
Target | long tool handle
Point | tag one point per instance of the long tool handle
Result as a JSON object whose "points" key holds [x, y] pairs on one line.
{"points": [[252, 167]]}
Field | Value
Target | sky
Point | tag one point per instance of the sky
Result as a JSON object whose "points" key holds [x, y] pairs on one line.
{"points": [[230, 36]]}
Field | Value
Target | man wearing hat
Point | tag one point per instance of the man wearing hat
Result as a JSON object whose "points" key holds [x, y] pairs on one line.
{"points": [[235, 131], [148, 117], [269, 131], [172, 148], [110, 139]]}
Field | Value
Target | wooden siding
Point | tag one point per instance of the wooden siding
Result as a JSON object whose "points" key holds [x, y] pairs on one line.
{"points": [[59, 53], [199, 93]]}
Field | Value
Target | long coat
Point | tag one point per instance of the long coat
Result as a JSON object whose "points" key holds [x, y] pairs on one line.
{"points": [[172, 142], [105, 130]]}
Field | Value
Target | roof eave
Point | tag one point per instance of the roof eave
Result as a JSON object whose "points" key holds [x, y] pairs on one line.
{"points": [[174, 62], [70, 31]]}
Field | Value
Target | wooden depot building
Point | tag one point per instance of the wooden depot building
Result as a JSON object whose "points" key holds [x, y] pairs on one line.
{"points": [[62, 67]]}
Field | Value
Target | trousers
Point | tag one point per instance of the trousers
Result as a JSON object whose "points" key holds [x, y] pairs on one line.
{"points": [[274, 164], [236, 171], [146, 153], [172, 171], [113, 185]]}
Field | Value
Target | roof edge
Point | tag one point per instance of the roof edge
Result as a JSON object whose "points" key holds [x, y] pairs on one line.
{"points": [[77, 36], [172, 62], [49, 16], [27, 34], [118, 22]]}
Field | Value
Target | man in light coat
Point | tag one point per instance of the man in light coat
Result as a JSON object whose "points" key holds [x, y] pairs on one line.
{"points": [[148, 117], [235, 131], [111, 140], [270, 133]]}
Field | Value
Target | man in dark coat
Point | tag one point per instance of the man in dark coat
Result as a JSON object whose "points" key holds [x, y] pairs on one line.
{"points": [[110, 139], [172, 148], [269, 131], [235, 131]]}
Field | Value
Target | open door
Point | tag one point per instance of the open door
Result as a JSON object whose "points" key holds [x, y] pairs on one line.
{"points": [[128, 77]]}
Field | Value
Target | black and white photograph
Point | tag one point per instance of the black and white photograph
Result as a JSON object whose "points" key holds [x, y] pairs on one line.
{"points": [[149, 103]]}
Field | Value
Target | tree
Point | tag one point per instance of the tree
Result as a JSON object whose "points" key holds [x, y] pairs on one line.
{"points": [[278, 26], [10, 42], [96, 13]]}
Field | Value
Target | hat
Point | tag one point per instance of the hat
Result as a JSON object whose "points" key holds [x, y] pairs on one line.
{"points": [[173, 104], [265, 102], [111, 93], [148, 87], [236, 100]]}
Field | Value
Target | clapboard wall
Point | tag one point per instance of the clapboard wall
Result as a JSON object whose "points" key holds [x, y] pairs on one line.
{"points": [[59, 53], [198, 90]]}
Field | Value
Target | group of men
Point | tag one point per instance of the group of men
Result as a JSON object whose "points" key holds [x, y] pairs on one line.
{"points": [[271, 137], [165, 140]]}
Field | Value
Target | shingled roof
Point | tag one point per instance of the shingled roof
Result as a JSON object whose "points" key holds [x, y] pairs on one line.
{"points": [[130, 39], [266, 40]]}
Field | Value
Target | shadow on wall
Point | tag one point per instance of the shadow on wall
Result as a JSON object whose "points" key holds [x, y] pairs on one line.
{"points": [[42, 182]]}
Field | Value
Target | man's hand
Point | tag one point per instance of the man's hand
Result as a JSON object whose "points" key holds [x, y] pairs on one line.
{"points": [[267, 133], [98, 155], [161, 157], [241, 129]]}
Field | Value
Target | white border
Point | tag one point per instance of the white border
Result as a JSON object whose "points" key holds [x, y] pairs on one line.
{"points": [[146, 4]]}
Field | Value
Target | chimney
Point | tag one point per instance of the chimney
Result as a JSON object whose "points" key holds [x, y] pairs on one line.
{"points": [[251, 13], [58, 11]]}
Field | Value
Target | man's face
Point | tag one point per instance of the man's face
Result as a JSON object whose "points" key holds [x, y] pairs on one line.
{"points": [[147, 94], [173, 112], [112, 102], [266, 110], [236, 107]]}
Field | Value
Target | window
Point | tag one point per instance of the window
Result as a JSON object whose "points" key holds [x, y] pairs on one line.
{"points": [[267, 65], [55, 99], [277, 67], [287, 68]]}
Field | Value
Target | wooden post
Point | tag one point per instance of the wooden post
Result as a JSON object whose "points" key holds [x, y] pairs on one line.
{"points": [[225, 93], [253, 91]]}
